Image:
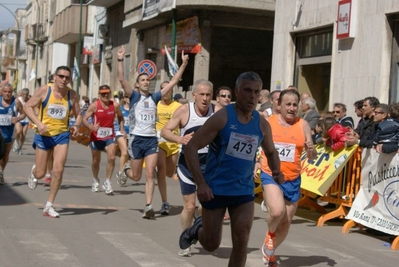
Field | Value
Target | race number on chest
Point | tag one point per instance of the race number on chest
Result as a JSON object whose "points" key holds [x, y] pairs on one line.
{"points": [[56, 111], [286, 152], [242, 146]]}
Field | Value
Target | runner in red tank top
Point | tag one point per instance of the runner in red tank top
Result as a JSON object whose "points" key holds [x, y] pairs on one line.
{"points": [[102, 135]]}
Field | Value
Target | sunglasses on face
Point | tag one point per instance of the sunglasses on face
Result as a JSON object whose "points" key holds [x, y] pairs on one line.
{"points": [[225, 95], [62, 77], [336, 111]]}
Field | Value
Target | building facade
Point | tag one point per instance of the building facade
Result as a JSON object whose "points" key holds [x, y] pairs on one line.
{"points": [[338, 51], [223, 38]]}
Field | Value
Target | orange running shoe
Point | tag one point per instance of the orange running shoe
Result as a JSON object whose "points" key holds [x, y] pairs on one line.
{"points": [[268, 250]]}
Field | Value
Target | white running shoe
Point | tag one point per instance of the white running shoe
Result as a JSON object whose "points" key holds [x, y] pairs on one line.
{"points": [[50, 212], [118, 174], [185, 252], [123, 177], [95, 186], [107, 187], [15, 146], [263, 206], [32, 181], [148, 212]]}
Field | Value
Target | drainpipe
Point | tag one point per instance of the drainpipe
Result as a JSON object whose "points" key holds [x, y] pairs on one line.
{"points": [[37, 43], [79, 46]]}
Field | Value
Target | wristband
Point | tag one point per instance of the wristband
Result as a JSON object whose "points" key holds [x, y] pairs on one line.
{"points": [[120, 59]]}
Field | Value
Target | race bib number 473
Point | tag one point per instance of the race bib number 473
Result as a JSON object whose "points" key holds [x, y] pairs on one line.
{"points": [[242, 146]]}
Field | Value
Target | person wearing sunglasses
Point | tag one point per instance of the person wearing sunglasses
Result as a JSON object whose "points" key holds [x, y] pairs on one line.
{"points": [[56, 103], [223, 97], [340, 115]]}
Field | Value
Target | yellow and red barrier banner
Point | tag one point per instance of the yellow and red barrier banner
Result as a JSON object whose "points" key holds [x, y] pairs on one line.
{"points": [[377, 202], [318, 175]]}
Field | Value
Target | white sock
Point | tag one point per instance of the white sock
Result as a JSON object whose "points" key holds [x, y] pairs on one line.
{"points": [[49, 204], [108, 180], [96, 180], [47, 175]]}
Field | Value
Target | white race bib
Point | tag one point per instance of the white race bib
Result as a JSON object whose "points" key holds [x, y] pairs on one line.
{"points": [[286, 152], [147, 117], [56, 111], [127, 121], [242, 146], [104, 132], [5, 119]]}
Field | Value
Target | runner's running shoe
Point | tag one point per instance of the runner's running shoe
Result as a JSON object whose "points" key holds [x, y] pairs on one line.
{"points": [[268, 249], [190, 236], [95, 186], [107, 187], [123, 177], [50, 212], [165, 209], [47, 181], [185, 252], [148, 212], [32, 181]]}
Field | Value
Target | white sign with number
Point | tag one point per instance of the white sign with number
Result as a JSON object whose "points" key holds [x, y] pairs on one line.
{"points": [[104, 132], [286, 151], [56, 111], [242, 146], [5, 119]]}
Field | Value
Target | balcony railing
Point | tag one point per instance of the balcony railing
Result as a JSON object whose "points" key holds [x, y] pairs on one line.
{"points": [[66, 24]]}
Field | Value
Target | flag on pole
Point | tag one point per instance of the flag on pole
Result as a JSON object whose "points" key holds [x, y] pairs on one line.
{"points": [[32, 75], [172, 65], [75, 69]]}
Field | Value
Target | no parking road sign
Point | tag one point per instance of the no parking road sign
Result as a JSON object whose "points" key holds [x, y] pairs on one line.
{"points": [[148, 67]]}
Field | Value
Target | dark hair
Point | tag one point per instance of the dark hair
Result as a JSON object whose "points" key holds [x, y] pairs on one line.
{"points": [[373, 101], [288, 92], [160, 87], [326, 114], [250, 76], [394, 110], [340, 105], [273, 93], [327, 124], [223, 88], [62, 68], [384, 108], [51, 78], [359, 104], [141, 74]]}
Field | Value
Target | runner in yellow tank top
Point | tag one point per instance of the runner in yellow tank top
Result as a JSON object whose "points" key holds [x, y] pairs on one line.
{"points": [[54, 113], [55, 103], [168, 152]]}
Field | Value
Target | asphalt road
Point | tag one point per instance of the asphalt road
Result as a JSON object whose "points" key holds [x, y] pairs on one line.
{"points": [[100, 230]]}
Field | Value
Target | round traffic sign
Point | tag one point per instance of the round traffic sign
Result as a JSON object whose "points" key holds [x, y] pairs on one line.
{"points": [[148, 67]]}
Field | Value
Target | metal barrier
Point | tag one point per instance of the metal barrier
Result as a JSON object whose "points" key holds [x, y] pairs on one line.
{"points": [[342, 192]]}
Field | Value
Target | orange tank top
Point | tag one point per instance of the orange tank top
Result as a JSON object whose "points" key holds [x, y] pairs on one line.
{"points": [[289, 142]]}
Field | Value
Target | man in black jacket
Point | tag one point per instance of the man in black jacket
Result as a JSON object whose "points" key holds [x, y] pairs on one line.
{"points": [[366, 133]]}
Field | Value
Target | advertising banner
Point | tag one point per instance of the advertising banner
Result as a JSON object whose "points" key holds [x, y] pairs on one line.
{"points": [[377, 202], [318, 175], [188, 36], [152, 8]]}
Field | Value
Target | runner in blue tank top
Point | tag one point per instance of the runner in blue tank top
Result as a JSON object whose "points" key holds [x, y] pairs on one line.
{"points": [[233, 135]]}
